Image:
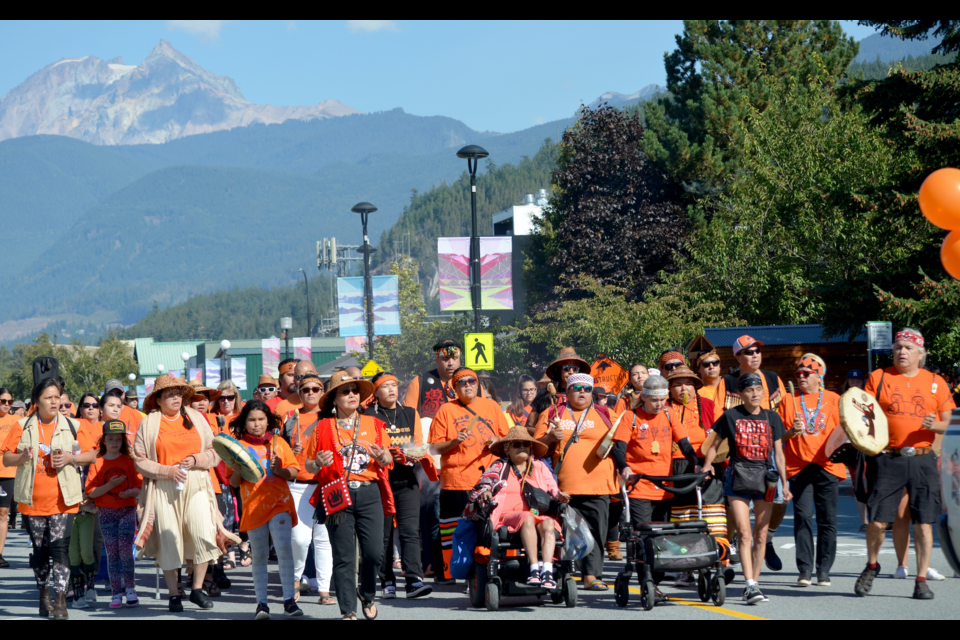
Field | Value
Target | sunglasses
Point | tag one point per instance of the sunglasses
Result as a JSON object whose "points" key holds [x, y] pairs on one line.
{"points": [[466, 382], [67, 405], [712, 363], [228, 398], [803, 374], [750, 352], [585, 388], [311, 390], [520, 445], [570, 367], [671, 366], [85, 405], [267, 389], [350, 392]]}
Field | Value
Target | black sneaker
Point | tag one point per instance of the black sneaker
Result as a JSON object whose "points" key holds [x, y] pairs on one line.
{"points": [[263, 612], [729, 575], [772, 559], [823, 579], [291, 609], [921, 591], [201, 599], [176, 605], [418, 590], [805, 579], [4, 564], [752, 594], [443, 581], [865, 581]]}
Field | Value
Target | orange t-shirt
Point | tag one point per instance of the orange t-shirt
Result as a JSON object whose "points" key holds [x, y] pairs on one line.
{"points": [[212, 421], [462, 466], [691, 422], [265, 499], [650, 448], [131, 418], [307, 428], [7, 423], [810, 446], [47, 498], [710, 393], [622, 403], [583, 472], [103, 471], [364, 468], [175, 442], [907, 401], [94, 430], [288, 405]]}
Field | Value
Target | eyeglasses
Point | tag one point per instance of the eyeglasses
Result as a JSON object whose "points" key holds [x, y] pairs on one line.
{"points": [[585, 388], [228, 398], [267, 389], [466, 382], [712, 363], [311, 390], [570, 367], [670, 366], [349, 392], [803, 374], [750, 352], [85, 405]]}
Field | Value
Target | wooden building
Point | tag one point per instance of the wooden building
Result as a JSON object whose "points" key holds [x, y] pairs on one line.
{"points": [[783, 346]]}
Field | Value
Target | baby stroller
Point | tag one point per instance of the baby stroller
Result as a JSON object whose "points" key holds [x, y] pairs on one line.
{"points": [[507, 571], [660, 547]]}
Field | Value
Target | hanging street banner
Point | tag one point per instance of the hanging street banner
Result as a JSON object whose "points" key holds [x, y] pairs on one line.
{"points": [[303, 348], [607, 373], [212, 373], [238, 372], [478, 351], [496, 273], [386, 306], [148, 386], [271, 357], [196, 374], [142, 393]]}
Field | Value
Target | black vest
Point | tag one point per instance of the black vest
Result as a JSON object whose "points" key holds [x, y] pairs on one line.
{"points": [[433, 395], [400, 475]]}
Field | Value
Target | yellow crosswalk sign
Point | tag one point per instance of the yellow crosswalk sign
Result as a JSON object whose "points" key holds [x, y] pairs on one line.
{"points": [[370, 369], [479, 351]]}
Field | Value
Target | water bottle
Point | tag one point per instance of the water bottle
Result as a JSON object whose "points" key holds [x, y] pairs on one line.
{"points": [[181, 485], [772, 478], [75, 449], [673, 548]]}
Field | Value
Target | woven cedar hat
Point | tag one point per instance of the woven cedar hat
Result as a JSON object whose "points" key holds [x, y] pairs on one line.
{"points": [[162, 384], [568, 355], [339, 379], [518, 434], [197, 386], [268, 380], [683, 371]]}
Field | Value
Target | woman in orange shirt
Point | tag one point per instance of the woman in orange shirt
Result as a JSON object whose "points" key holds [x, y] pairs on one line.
{"points": [[227, 403], [269, 506], [519, 410], [48, 488], [7, 420], [352, 449]]}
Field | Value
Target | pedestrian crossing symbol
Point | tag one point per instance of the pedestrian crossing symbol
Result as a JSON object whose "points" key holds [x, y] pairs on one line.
{"points": [[479, 351]]}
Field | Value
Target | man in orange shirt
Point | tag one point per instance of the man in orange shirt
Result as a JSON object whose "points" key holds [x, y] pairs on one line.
{"points": [[287, 386], [462, 433], [707, 363], [917, 404], [814, 480], [286, 406], [429, 391]]}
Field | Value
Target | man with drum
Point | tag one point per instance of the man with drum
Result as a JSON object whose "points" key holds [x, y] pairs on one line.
{"points": [[917, 404]]}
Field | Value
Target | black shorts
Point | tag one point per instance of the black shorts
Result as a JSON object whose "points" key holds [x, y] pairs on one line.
{"points": [[6, 492], [643, 511], [890, 474]]}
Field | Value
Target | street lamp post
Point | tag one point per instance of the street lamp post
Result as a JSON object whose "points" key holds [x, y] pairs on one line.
{"points": [[186, 358], [365, 209], [473, 154], [306, 286], [286, 324], [224, 361]]}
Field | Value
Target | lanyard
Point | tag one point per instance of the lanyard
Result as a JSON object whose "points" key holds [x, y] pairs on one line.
{"points": [[811, 419], [56, 421]]}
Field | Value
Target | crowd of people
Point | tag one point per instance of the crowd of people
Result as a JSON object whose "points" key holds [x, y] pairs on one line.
{"points": [[359, 487]]}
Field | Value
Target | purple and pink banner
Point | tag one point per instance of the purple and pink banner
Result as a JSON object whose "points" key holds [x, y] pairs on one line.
{"points": [[496, 273], [303, 348], [271, 357]]}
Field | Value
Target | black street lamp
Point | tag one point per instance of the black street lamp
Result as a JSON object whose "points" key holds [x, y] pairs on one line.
{"points": [[307, 287], [473, 153], [365, 209]]}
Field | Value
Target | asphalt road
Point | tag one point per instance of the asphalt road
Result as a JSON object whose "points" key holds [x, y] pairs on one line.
{"points": [[890, 598]]}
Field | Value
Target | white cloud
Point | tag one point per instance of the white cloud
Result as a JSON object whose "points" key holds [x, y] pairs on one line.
{"points": [[206, 29], [370, 26]]}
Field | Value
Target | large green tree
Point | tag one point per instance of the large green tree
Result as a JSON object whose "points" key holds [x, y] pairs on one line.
{"points": [[720, 72]]}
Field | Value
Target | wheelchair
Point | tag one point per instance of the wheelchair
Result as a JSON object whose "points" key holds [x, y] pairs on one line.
{"points": [[655, 548], [506, 573]]}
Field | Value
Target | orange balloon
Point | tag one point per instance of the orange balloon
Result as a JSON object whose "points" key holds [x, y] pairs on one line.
{"points": [[950, 254], [940, 198]]}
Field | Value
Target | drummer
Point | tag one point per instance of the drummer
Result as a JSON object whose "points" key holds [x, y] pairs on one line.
{"points": [[917, 404], [814, 480]]}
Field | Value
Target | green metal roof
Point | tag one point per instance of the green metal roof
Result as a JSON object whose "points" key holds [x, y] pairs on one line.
{"points": [[149, 354]]}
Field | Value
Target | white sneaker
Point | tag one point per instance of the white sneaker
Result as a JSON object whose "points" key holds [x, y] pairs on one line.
{"points": [[685, 581], [91, 595], [389, 592], [132, 599], [933, 574], [116, 601], [902, 573]]}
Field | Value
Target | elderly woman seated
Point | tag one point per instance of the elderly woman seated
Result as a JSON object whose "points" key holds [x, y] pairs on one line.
{"points": [[503, 487]]}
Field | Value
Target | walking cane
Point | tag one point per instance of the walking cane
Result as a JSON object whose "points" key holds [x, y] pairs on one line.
{"points": [[157, 594]]}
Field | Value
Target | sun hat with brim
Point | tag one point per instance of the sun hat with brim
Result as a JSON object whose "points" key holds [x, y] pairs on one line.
{"points": [[518, 434], [339, 379], [683, 371], [197, 386], [162, 384], [267, 380], [568, 355]]}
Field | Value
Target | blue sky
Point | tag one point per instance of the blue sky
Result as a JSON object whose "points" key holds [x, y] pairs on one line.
{"points": [[500, 76]]}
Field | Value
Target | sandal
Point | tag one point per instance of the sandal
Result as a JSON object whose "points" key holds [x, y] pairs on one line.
{"points": [[597, 585], [246, 558], [327, 600], [349, 616], [547, 581], [367, 604], [229, 565]]}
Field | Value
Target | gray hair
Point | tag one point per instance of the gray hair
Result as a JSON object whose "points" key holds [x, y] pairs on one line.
{"points": [[656, 386], [923, 350]]}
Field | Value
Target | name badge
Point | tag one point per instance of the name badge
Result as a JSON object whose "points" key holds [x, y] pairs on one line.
{"points": [[45, 449]]}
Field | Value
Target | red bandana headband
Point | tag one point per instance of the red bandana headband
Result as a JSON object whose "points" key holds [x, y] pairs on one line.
{"points": [[910, 336]]}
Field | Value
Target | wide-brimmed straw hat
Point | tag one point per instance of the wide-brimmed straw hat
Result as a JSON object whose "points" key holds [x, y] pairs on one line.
{"points": [[518, 434], [683, 371], [568, 355], [162, 384], [339, 379], [198, 387]]}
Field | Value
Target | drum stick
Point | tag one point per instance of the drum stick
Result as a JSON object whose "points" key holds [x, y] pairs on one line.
{"points": [[793, 399], [296, 425]]}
